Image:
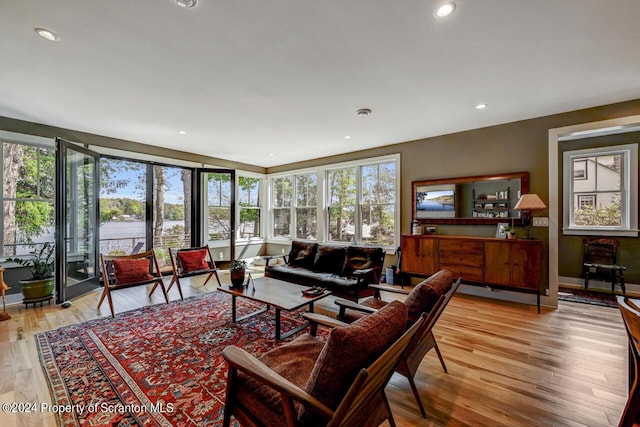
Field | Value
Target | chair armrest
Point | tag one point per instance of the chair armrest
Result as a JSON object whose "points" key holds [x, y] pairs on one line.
{"points": [[268, 258], [239, 359], [321, 319], [354, 305], [389, 289]]}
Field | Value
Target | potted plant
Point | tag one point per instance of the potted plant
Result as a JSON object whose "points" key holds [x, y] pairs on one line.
{"points": [[237, 272], [510, 232], [40, 264]]}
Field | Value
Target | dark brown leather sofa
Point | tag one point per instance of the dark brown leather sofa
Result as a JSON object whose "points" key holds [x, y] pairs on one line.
{"points": [[344, 270]]}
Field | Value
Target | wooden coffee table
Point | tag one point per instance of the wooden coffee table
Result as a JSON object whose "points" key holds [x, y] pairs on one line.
{"points": [[273, 292]]}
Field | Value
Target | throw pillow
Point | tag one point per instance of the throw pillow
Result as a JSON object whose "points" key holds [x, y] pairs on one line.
{"points": [[131, 270], [193, 260], [330, 259], [350, 348], [302, 254], [359, 258], [426, 293]]}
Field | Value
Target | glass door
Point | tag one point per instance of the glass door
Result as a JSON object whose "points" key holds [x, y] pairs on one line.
{"points": [[77, 270], [217, 212]]}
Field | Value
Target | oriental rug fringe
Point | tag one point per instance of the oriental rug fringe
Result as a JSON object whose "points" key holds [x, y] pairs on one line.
{"points": [[159, 365]]}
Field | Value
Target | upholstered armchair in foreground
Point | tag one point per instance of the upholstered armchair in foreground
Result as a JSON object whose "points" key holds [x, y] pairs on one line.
{"points": [[423, 298], [311, 382]]}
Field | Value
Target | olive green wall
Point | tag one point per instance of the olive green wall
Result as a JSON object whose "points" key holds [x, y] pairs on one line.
{"points": [[570, 247], [511, 147]]}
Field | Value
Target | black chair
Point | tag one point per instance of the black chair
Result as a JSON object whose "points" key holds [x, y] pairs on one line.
{"points": [[600, 263]]}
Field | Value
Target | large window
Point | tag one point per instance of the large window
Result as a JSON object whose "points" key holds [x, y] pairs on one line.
{"points": [[249, 205], [28, 173], [362, 203], [600, 192], [294, 206]]}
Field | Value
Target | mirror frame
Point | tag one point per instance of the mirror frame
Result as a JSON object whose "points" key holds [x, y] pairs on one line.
{"points": [[524, 189]]}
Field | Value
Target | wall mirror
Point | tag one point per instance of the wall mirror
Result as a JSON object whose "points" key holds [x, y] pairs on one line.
{"points": [[485, 199]]}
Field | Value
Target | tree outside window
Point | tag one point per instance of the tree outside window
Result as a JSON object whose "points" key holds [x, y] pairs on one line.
{"points": [[249, 203], [282, 189], [306, 206], [342, 204], [27, 197], [378, 204]]}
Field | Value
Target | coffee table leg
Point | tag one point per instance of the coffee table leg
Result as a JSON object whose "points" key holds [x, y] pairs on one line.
{"points": [[233, 308], [277, 324]]}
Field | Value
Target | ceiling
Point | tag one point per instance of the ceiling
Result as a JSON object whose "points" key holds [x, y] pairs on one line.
{"points": [[279, 81]]}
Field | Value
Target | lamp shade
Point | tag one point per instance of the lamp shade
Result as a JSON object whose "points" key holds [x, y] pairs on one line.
{"points": [[529, 201]]}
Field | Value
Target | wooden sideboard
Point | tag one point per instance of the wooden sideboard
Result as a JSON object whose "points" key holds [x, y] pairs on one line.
{"points": [[512, 264]]}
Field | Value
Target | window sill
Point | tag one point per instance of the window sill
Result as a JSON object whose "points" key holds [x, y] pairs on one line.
{"points": [[599, 232]]}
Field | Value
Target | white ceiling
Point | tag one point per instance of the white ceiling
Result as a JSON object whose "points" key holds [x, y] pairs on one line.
{"points": [[250, 78]]}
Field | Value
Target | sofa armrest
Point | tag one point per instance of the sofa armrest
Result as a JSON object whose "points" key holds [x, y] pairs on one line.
{"points": [[239, 360], [268, 258]]}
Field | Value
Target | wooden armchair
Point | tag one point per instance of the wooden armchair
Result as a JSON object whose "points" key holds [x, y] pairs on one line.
{"points": [[308, 382], [423, 298], [125, 271], [599, 262], [631, 316], [187, 262]]}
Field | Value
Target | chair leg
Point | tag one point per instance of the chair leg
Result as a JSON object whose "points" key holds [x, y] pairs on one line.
{"points": [[164, 290], [179, 286], [104, 294], [207, 279], [110, 302], [392, 422], [417, 396], [228, 405], [435, 345]]}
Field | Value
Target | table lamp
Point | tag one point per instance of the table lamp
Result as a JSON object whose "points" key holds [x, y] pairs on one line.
{"points": [[3, 289], [526, 204]]}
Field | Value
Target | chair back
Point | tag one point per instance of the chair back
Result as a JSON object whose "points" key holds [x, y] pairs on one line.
{"points": [[421, 345], [631, 316], [130, 270], [365, 402], [200, 253], [600, 251]]}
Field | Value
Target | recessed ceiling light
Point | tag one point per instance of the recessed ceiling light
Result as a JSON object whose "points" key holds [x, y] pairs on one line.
{"points": [[347, 137], [47, 34], [187, 3], [181, 132], [445, 9], [363, 112], [270, 154], [481, 106]]}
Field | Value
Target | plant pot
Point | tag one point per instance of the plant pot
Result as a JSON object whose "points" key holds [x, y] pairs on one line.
{"points": [[36, 289], [237, 278]]}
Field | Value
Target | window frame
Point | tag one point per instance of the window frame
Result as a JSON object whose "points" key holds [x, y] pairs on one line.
{"points": [[629, 191], [262, 194], [323, 202], [28, 141]]}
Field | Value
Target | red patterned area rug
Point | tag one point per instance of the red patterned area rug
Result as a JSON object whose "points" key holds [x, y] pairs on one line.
{"points": [[160, 365]]}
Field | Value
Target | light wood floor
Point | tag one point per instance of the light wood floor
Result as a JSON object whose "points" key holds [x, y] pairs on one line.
{"points": [[508, 365]]}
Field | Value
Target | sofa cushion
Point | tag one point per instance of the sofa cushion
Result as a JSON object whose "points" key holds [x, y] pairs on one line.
{"points": [[426, 293], [193, 260], [360, 258], [330, 259], [302, 254], [350, 348], [131, 270]]}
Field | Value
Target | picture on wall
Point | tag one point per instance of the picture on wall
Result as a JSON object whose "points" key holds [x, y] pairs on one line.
{"points": [[435, 201]]}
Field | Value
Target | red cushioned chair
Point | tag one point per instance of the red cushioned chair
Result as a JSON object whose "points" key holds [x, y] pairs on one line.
{"points": [[187, 262], [631, 316], [125, 271]]}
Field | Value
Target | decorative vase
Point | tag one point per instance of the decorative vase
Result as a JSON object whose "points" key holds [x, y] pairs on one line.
{"points": [[511, 235], [237, 278], [37, 289]]}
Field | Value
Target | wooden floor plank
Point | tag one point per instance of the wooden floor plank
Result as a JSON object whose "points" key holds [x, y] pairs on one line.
{"points": [[508, 365]]}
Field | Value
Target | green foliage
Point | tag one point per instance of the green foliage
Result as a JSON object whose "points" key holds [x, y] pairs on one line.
{"points": [[607, 216], [40, 264], [238, 264]]}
